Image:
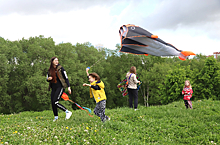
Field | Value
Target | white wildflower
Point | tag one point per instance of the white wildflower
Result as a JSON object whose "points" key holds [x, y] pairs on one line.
{"points": [[55, 136], [86, 130]]}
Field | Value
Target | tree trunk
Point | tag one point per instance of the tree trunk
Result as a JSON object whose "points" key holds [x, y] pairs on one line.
{"points": [[147, 93], [144, 98]]}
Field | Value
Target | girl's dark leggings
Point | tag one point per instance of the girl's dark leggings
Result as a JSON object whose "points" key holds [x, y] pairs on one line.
{"points": [[56, 93], [133, 94]]}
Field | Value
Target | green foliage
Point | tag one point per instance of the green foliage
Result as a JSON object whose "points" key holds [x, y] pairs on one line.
{"points": [[167, 124], [25, 64], [207, 82], [171, 90]]}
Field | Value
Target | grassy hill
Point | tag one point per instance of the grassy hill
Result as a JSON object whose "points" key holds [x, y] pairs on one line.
{"points": [[168, 124]]}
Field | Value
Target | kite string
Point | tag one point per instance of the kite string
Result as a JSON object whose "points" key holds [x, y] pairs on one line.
{"points": [[97, 61]]}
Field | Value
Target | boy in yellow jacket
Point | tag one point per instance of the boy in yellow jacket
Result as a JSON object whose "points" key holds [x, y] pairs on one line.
{"points": [[98, 93]]}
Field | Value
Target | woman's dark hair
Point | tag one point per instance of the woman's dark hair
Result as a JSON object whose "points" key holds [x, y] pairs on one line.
{"points": [[53, 71], [95, 75], [133, 70]]}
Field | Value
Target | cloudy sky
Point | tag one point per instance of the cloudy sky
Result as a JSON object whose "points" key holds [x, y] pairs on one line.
{"points": [[187, 24]]}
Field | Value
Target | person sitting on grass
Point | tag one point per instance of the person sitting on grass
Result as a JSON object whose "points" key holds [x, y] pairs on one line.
{"points": [[98, 93], [187, 92]]}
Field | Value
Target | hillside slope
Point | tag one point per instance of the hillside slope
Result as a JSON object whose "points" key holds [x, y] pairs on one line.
{"points": [[168, 124]]}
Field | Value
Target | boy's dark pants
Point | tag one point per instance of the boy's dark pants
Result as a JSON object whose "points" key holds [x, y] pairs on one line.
{"points": [[100, 110]]}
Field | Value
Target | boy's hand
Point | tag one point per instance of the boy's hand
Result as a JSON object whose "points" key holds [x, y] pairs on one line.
{"points": [[86, 84], [87, 69]]}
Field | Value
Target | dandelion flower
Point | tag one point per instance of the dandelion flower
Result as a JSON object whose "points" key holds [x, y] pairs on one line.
{"points": [[16, 132], [87, 128], [95, 130], [66, 127]]}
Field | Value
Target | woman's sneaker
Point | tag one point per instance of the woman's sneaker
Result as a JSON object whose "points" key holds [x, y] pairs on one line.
{"points": [[68, 114]]}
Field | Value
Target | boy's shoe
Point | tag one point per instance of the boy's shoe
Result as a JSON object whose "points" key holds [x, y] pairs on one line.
{"points": [[68, 115], [55, 120]]}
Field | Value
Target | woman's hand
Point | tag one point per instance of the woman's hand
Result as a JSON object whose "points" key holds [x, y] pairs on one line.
{"points": [[49, 78], [69, 90]]}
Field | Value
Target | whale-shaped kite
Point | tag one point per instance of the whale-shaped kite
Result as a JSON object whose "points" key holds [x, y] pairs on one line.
{"points": [[136, 40]]}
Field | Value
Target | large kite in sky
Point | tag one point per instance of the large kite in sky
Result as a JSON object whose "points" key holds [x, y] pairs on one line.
{"points": [[136, 40]]}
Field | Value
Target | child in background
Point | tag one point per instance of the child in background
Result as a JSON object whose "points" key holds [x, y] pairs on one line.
{"points": [[98, 93], [187, 92]]}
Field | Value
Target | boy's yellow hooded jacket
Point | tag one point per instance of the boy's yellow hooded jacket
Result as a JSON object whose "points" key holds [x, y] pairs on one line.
{"points": [[98, 95]]}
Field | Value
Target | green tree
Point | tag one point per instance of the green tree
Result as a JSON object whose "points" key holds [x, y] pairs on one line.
{"points": [[171, 90], [207, 82]]}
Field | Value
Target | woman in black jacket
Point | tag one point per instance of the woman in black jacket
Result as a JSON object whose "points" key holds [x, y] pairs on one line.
{"points": [[58, 80]]}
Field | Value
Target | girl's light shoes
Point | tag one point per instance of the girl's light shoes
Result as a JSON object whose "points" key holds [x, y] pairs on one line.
{"points": [[68, 115]]}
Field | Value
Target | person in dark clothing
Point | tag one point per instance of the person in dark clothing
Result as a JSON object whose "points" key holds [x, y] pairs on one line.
{"points": [[58, 80]]}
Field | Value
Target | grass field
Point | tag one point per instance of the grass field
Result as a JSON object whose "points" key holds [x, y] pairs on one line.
{"points": [[168, 124]]}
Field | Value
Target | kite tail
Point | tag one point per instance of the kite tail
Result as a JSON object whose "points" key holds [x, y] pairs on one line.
{"points": [[183, 54], [87, 109], [83, 108]]}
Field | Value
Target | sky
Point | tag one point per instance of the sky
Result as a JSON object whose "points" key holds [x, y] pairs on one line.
{"points": [[190, 25]]}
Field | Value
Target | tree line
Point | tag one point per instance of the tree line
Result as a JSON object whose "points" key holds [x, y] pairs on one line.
{"points": [[24, 64]]}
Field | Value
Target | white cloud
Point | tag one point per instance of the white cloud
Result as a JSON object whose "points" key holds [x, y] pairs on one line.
{"points": [[187, 24], [31, 7], [93, 25]]}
